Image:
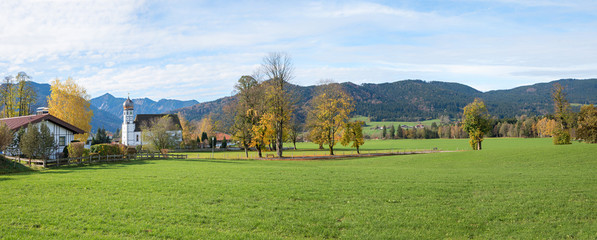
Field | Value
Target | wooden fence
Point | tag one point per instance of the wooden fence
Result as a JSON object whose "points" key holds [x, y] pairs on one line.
{"points": [[92, 159]]}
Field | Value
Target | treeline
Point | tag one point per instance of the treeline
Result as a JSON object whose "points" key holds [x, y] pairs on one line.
{"points": [[522, 126]]}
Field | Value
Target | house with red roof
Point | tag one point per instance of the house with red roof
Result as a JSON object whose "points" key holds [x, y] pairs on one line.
{"points": [[62, 131]]}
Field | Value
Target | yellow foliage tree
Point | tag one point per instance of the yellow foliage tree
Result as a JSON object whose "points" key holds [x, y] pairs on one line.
{"points": [[263, 132], [70, 103], [331, 110], [353, 132], [545, 127]]}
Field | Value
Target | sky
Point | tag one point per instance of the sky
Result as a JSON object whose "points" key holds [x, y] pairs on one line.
{"points": [[199, 49]]}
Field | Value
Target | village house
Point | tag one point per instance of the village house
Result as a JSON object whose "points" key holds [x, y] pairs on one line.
{"points": [[62, 131]]}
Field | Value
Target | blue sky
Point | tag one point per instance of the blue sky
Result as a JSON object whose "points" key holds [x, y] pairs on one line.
{"points": [[198, 49]]}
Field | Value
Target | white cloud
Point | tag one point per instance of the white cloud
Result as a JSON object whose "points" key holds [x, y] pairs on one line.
{"points": [[190, 50]]}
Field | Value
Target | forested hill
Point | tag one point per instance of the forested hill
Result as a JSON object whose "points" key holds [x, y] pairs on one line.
{"points": [[413, 100]]}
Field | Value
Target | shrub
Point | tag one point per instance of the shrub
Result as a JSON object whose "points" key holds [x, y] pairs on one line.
{"points": [[65, 152], [105, 149], [561, 137], [76, 149]]}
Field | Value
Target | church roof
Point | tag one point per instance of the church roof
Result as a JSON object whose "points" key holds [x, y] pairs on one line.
{"points": [[147, 119], [15, 123], [128, 104]]}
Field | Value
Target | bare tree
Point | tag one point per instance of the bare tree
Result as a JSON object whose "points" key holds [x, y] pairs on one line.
{"points": [[278, 69]]}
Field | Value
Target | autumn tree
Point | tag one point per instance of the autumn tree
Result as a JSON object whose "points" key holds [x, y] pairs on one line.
{"points": [[353, 133], [278, 70], [561, 134], [262, 132], [545, 127], [70, 102], [158, 133], [331, 108], [249, 107], [17, 96], [25, 95], [475, 121], [587, 124], [187, 130]]}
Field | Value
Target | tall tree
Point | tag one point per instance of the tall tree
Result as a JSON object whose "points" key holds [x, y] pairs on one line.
{"points": [[563, 115], [17, 95], [353, 132], [384, 132], [278, 69], [331, 108], [249, 108], [7, 96], [70, 102], [476, 122], [25, 94], [587, 124]]}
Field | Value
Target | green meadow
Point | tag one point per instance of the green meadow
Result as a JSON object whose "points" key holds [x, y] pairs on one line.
{"points": [[370, 127], [514, 188]]}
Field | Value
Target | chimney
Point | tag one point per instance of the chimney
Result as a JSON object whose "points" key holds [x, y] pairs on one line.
{"points": [[42, 110]]}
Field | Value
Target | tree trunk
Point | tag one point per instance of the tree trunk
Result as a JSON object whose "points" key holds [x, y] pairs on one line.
{"points": [[279, 142], [358, 150], [320, 146], [246, 152], [294, 143], [479, 145], [259, 151], [331, 150]]}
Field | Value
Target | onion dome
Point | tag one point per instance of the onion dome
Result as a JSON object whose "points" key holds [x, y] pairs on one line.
{"points": [[128, 104]]}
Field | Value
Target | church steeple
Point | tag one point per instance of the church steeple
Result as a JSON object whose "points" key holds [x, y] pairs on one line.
{"points": [[128, 125]]}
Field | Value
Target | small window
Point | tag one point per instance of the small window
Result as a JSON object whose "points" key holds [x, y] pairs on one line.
{"points": [[137, 138], [62, 141]]}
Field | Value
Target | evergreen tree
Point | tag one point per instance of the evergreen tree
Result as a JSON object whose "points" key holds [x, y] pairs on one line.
{"points": [[392, 132], [46, 144], [384, 132], [399, 132]]}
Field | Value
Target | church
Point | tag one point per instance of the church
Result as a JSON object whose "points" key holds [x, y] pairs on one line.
{"points": [[131, 125]]}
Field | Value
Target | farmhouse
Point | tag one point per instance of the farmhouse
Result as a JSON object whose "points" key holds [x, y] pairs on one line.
{"points": [[131, 125], [62, 131]]}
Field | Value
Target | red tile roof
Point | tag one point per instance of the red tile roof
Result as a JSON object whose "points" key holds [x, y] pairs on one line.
{"points": [[15, 123]]}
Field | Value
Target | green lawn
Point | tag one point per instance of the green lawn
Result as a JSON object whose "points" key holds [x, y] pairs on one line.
{"points": [[514, 188], [370, 128]]}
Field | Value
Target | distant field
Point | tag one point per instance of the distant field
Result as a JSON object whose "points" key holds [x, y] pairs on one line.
{"points": [[514, 188], [371, 130]]}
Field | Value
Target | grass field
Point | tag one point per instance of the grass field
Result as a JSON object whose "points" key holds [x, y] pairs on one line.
{"points": [[370, 128], [514, 188]]}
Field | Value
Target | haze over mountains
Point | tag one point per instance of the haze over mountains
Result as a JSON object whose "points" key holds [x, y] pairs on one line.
{"points": [[409, 100]]}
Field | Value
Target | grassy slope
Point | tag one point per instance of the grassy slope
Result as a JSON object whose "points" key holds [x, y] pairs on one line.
{"points": [[522, 188]]}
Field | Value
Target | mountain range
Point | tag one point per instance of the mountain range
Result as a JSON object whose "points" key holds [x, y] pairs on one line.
{"points": [[416, 100], [407, 100]]}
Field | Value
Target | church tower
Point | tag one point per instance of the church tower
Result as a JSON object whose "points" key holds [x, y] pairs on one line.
{"points": [[128, 126]]}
